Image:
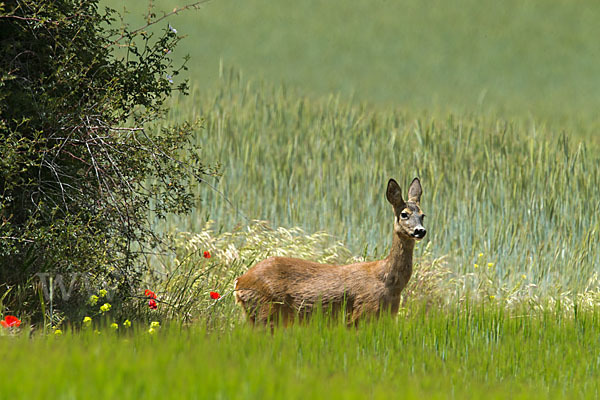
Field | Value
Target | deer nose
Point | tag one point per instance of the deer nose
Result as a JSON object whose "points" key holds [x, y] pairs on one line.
{"points": [[420, 232]]}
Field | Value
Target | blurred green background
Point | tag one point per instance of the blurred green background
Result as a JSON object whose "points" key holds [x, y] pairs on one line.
{"points": [[536, 59]]}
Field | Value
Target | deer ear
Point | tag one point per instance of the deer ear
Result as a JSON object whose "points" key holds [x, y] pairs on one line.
{"points": [[415, 190], [394, 194]]}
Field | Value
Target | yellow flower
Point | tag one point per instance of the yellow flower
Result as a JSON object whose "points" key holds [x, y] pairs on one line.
{"points": [[102, 292], [480, 255], [87, 320], [523, 276], [127, 323], [154, 324], [152, 331], [93, 300], [105, 307], [490, 265], [476, 266], [114, 326], [492, 297], [57, 332]]}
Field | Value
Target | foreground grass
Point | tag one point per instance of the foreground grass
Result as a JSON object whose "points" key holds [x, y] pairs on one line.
{"points": [[469, 352]]}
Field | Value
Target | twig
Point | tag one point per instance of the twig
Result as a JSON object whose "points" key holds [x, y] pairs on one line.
{"points": [[17, 238], [27, 19], [175, 11]]}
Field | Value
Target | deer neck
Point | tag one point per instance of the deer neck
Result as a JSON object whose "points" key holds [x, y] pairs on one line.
{"points": [[397, 267]]}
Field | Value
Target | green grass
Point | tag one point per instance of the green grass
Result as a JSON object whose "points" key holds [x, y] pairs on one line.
{"points": [[463, 353]]}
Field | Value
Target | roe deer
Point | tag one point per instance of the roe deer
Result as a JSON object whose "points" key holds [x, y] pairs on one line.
{"points": [[281, 287]]}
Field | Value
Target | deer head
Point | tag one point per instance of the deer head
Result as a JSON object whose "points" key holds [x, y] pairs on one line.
{"points": [[408, 217]]}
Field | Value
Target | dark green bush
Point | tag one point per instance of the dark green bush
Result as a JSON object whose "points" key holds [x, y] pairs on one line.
{"points": [[81, 173]]}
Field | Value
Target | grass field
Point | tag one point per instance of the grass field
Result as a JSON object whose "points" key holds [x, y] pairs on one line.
{"points": [[474, 352], [314, 106]]}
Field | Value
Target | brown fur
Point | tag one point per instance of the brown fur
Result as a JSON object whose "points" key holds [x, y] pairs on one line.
{"points": [[281, 287]]}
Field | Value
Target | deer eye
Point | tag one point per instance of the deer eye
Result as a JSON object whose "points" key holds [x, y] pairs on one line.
{"points": [[404, 215]]}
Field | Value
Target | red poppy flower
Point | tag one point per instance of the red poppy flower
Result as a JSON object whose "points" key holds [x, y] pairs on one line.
{"points": [[215, 295], [10, 320], [152, 304], [206, 254], [149, 294]]}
